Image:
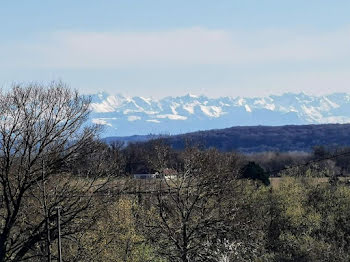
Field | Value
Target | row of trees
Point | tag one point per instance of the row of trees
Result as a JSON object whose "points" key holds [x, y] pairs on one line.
{"points": [[250, 139]]}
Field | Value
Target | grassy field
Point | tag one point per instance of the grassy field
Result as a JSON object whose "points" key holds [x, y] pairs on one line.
{"points": [[276, 181]]}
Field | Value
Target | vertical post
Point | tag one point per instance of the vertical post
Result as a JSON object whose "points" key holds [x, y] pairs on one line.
{"points": [[59, 234], [46, 211], [48, 239]]}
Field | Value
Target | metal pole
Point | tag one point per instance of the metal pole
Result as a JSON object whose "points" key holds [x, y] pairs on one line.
{"points": [[46, 211], [59, 234], [48, 239]]}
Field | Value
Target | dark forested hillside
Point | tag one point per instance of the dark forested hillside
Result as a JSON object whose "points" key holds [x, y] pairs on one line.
{"points": [[263, 138], [268, 138]]}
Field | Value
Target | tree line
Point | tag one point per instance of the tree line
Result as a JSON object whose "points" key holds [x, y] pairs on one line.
{"points": [[251, 139]]}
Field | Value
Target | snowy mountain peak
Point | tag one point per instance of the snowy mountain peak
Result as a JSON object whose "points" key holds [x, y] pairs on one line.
{"points": [[123, 115]]}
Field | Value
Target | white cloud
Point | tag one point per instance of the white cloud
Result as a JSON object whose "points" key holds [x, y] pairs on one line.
{"points": [[191, 46]]}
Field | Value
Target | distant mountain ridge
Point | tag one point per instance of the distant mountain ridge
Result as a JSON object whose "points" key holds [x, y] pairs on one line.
{"points": [[250, 139], [125, 116]]}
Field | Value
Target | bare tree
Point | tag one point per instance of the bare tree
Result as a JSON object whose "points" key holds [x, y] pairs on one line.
{"points": [[44, 125], [193, 206]]}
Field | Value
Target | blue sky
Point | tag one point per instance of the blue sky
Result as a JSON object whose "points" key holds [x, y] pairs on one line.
{"points": [[161, 48]]}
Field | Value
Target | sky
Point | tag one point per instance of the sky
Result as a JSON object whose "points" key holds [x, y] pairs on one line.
{"points": [[158, 48]]}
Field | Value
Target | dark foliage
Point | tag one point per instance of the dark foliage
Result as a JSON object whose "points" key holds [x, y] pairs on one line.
{"points": [[255, 172]]}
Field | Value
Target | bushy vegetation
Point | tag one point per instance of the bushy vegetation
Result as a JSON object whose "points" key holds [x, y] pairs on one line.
{"points": [[300, 220]]}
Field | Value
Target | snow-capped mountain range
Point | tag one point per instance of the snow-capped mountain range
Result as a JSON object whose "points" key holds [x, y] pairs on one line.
{"points": [[124, 116]]}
